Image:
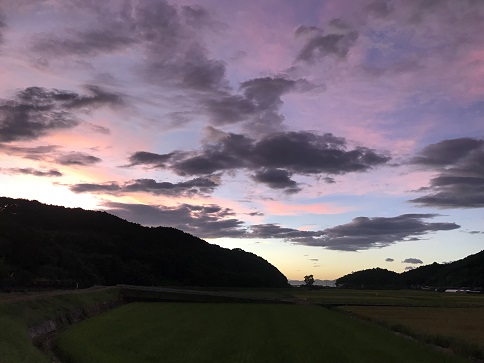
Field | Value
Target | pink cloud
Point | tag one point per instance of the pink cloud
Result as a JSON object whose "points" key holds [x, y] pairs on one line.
{"points": [[281, 208]]}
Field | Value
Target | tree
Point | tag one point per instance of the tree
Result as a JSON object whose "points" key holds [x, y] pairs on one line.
{"points": [[309, 280]]}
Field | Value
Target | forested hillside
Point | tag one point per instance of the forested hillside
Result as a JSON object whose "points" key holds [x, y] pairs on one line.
{"points": [[42, 243], [468, 272]]}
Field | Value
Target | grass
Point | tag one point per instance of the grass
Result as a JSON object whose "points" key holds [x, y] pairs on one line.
{"points": [[457, 328], [17, 317], [236, 333]]}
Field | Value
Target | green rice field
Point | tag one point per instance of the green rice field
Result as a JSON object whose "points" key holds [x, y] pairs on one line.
{"points": [[458, 328], [207, 332]]}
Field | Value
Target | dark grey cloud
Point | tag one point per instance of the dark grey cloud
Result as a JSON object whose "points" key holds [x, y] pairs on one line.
{"points": [[82, 43], [232, 152], [152, 159], [389, 259], [476, 232], [447, 152], [459, 182], [174, 56], [198, 17], [274, 158], [77, 158], [24, 119], [228, 109], [197, 186], [360, 234], [308, 153], [321, 45], [305, 30], [35, 111], [3, 26], [189, 187], [414, 261], [205, 74], [210, 221], [31, 171], [365, 233], [96, 97], [329, 180], [169, 38], [467, 11], [42, 98], [277, 179], [271, 230], [416, 11], [258, 104], [265, 93], [95, 188], [379, 8], [409, 268]]}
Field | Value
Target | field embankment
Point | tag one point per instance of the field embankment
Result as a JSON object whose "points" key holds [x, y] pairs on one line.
{"points": [[25, 318]]}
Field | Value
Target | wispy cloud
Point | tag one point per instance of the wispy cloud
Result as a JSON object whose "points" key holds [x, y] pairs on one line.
{"points": [[31, 171]]}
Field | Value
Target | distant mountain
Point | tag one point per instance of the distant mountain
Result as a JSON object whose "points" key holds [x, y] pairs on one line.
{"points": [[375, 278], [317, 282], [468, 272], [41, 243]]}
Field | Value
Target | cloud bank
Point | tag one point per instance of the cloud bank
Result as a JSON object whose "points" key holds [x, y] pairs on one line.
{"points": [[215, 222], [273, 159]]}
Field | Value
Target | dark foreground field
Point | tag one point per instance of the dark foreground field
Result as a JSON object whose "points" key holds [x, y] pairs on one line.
{"points": [[330, 325], [197, 332]]}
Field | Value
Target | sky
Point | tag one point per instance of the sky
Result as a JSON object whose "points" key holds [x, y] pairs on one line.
{"points": [[325, 136]]}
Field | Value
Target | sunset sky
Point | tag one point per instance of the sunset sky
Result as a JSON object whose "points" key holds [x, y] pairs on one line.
{"points": [[324, 136]]}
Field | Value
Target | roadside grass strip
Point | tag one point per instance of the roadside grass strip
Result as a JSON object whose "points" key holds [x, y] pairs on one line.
{"points": [[235, 333]]}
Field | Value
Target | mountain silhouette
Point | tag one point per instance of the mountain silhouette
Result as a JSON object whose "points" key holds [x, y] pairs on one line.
{"points": [[41, 244], [467, 272]]}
